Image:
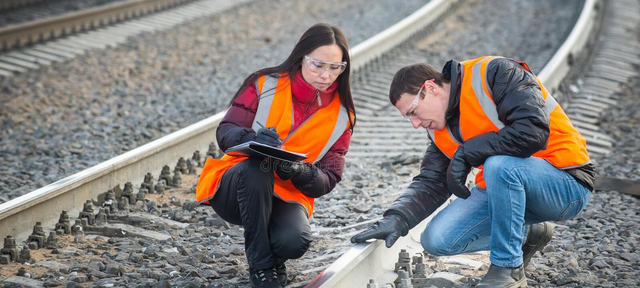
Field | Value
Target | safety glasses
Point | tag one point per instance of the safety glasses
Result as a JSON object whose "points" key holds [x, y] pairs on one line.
{"points": [[318, 66], [411, 112]]}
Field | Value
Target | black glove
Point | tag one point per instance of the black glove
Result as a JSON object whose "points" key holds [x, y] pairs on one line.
{"points": [[297, 172], [268, 137], [287, 170], [390, 228], [457, 173]]}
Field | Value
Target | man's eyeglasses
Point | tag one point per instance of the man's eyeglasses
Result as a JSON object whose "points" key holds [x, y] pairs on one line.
{"points": [[318, 66], [411, 112]]}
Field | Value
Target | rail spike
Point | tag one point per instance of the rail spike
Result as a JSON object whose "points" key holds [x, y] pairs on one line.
{"points": [[9, 252]]}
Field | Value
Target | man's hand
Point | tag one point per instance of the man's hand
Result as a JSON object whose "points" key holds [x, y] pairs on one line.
{"points": [[390, 228], [457, 173], [268, 136]]}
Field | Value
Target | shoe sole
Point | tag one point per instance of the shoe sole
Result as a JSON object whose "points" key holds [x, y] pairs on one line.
{"points": [[521, 283], [544, 241]]}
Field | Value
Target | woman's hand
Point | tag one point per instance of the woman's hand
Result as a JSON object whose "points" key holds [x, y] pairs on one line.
{"points": [[268, 136]]}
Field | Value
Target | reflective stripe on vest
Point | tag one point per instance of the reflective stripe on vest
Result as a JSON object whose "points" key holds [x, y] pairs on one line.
{"points": [[266, 98], [315, 136], [566, 148]]}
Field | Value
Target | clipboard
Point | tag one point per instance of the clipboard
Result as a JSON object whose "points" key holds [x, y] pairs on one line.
{"points": [[253, 148]]}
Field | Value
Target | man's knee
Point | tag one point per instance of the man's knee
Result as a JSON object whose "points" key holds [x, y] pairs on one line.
{"points": [[290, 244], [501, 167], [434, 244], [496, 163]]}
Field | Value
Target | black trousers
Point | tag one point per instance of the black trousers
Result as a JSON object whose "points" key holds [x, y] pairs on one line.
{"points": [[274, 230]]}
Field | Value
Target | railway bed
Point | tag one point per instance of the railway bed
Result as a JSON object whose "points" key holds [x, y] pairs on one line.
{"points": [[595, 249]]}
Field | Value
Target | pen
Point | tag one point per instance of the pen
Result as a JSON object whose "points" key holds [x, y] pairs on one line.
{"points": [[274, 129]]}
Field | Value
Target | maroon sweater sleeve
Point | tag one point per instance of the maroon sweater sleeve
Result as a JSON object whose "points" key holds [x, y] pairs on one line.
{"points": [[329, 168], [235, 128], [333, 161]]}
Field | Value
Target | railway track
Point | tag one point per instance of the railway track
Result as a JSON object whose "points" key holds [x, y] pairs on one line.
{"points": [[45, 9], [376, 65], [74, 22], [34, 44], [7, 4]]}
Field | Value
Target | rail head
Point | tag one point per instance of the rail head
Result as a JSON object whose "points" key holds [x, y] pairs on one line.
{"points": [[372, 260]]}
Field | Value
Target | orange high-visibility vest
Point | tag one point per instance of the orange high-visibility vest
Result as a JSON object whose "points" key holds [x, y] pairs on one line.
{"points": [[566, 148], [275, 109]]}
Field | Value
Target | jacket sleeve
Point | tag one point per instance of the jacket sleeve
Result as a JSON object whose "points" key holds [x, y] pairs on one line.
{"points": [[520, 107], [326, 173], [427, 191], [235, 127]]}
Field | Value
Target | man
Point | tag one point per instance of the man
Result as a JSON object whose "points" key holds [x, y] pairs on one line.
{"points": [[491, 113]]}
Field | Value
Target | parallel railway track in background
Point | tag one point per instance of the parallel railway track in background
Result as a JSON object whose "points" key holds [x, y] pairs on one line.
{"points": [[74, 22], [379, 136], [9, 4], [29, 45]]}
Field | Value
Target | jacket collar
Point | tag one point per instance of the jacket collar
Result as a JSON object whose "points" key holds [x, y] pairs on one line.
{"points": [[305, 93], [452, 70]]}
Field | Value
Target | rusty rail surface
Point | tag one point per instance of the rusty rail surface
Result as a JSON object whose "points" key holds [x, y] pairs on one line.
{"points": [[57, 26]]}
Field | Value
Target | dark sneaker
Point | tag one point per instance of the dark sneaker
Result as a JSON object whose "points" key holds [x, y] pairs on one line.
{"points": [[281, 272], [540, 235], [266, 278], [503, 277]]}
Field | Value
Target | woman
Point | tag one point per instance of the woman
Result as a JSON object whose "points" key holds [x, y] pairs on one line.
{"points": [[306, 103]]}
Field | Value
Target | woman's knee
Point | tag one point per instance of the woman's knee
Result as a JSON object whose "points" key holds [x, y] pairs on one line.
{"points": [[253, 167], [290, 244]]}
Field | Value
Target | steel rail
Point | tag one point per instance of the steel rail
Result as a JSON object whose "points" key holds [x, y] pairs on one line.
{"points": [[373, 260], [32, 32]]}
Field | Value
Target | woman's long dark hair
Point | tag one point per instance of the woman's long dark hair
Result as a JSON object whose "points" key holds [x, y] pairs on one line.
{"points": [[320, 34]]}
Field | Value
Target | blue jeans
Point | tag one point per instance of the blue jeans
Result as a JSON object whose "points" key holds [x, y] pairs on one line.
{"points": [[519, 191]]}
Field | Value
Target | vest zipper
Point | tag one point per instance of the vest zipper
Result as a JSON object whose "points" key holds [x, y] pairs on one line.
{"points": [[318, 96]]}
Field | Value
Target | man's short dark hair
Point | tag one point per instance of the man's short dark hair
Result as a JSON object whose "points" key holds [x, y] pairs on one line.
{"points": [[409, 79]]}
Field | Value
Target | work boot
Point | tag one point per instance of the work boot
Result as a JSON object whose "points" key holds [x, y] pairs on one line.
{"points": [[266, 278], [281, 272], [540, 235], [504, 277]]}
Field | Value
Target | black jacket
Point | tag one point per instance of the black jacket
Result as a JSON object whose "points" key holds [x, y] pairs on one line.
{"points": [[520, 106]]}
